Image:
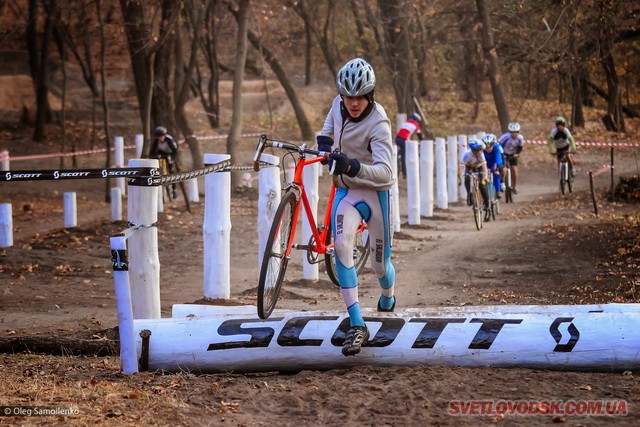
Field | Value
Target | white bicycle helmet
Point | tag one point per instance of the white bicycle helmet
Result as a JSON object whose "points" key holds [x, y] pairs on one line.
{"points": [[477, 145], [514, 127], [489, 139], [356, 78], [416, 117]]}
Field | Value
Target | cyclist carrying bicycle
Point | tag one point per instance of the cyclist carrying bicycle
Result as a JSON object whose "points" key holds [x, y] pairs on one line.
{"points": [[493, 155], [358, 132], [474, 161], [562, 143], [512, 143], [165, 147]]}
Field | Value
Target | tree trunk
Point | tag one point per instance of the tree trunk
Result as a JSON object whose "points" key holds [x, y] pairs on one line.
{"points": [[166, 65], [308, 60], [105, 104], [491, 55], [613, 120], [242, 17], [470, 76], [39, 60]]}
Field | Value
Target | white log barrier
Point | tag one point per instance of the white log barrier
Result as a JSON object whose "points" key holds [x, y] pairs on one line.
{"points": [[144, 263], [128, 352], [70, 210], [269, 194], [452, 168], [193, 193], [116, 204], [312, 340], [413, 182], [320, 169], [462, 147], [160, 201], [441, 174], [217, 231], [139, 141], [119, 162], [4, 160], [426, 178], [291, 170], [310, 182], [206, 310], [6, 225], [396, 221]]}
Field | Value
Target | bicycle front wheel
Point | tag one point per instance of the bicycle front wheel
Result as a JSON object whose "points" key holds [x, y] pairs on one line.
{"points": [[562, 175], [274, 262], [477, 211], [360, 254]]}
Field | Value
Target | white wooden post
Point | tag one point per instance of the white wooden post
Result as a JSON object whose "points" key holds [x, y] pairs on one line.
{"points": [[413, 182], [426, 178], [462, 147], [116, 204], [70, 210], [4, 160], [290, 172], [160, 201], [217, 231], [139, 144], [269, 194], [192, 190], [119, 162], [6, 225], [128, 351], [320, 168], [452, 168], [310, 182], [144, 263], [441, 174], [395, 191]]}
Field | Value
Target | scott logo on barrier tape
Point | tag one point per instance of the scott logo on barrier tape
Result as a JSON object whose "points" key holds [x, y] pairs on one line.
{"points": [[290, 335], [119, 260], [9, 176], [78, 174], [110, 172]]}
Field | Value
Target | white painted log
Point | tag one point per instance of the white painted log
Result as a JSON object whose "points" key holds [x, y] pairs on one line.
{"points": [[395, 191], [480, 135], [310, 182], [413, 182], [128, 352], [462, 147], [217, 231], [201, 310], [312, 340], [269, 194], [70, 210], [426, 178], [246, 180], [139, 141], [192, 190], [205, 310], [441, 174], [320, 168], [6, 225], [160, 201], [119, 162], [144, 263], [452, 168], [4, 161], [116, 204]]}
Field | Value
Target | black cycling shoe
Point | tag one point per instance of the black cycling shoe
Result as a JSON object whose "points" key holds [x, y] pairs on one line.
{"points": [[513, 189], [356, 337], [387, 310]]}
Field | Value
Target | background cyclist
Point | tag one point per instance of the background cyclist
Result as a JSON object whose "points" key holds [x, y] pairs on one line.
{"points": [[512, 143], [494, 156], [474, 161], [406, 130], [562, 143], [165, 147], [359, 131]]}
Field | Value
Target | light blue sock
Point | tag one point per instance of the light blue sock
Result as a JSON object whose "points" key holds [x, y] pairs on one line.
{"points": [[386, 302], [355, 316]]}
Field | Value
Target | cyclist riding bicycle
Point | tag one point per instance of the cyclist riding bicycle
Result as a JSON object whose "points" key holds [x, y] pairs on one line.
{"points": [[407, 129], [562, 143], [512, 143], [494, 157], [474, 161], [165, 147], [359, 131]]}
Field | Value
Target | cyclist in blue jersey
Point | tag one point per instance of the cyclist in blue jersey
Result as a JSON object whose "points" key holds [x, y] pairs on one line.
{"points": [[493, 154]]}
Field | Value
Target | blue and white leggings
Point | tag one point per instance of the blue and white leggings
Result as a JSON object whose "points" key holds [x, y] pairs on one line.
{"points": [[349, 208]]}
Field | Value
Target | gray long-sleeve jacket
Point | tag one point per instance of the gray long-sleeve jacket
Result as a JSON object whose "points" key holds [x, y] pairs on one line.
{"points": [[368, 140]]}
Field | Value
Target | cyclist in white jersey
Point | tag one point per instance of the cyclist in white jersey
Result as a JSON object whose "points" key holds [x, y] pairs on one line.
{"points": [[359, 131], [512, 143], [562, 143], [474, 161]]}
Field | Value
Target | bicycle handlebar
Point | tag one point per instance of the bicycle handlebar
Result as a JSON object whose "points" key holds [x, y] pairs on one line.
{"points": [[264, 142]]}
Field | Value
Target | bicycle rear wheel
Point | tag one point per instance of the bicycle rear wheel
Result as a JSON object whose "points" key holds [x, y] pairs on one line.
{"points": [[562, 174], [274, 262], [508, 194], [477, 210], [360, 255], [570, 180]]}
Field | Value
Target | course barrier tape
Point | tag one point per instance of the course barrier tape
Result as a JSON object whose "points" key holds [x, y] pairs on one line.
{"points": [[6, 156], [587, 143], [64, 174]]}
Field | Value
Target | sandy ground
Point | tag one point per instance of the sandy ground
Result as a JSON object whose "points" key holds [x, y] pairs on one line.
{"points": [[544, 249]]}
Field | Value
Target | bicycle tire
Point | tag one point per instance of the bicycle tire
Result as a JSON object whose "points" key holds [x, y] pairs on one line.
{"points": [[562, 181], [477, 212], [508, 194], [360, 256], [570, 180], [274, 264], [493, 200]]}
